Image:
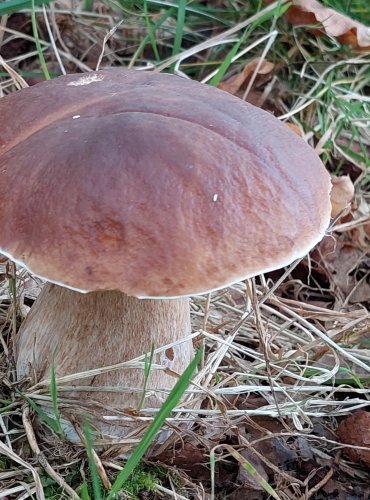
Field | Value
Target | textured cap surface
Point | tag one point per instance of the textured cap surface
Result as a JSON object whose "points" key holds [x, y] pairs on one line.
{"points": [[152, 184]]}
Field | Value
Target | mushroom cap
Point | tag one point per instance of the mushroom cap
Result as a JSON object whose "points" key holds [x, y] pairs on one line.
{"points": [[152, 184]]}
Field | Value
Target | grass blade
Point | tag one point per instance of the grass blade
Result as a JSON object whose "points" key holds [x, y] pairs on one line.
{"points": [[148, 38], [181, 12], [147, 369], [84, 492], [246, 465], [225, 64], [11, 6], [37, 42], [170, 403], [150, 26], [95, 480], [54, 397], [280, 9], [88, 5], [51, 422]]}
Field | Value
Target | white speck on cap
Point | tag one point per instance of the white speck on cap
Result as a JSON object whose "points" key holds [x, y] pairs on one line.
{"points": [[215, 197], [75, 117], [86, 80]]}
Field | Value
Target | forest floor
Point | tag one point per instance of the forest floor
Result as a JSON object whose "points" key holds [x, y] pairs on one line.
{"points": [[283, 390]]}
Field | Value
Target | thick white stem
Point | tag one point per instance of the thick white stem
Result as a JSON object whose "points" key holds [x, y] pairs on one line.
{"points": [[87, 331]]}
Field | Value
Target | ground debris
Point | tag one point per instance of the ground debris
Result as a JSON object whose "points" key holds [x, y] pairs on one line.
{"points": [[323, 20], [257, 68], [341, 195], [355, 430]]}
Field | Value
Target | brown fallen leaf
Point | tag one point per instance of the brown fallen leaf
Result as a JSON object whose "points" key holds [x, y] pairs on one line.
{"points": [[355, 430], [234, 84], [341, 259], [341, 195], [295, 128], [343, 490], [242, 492], [276, 449], [244, 478], [333, 23], [190, 458]]}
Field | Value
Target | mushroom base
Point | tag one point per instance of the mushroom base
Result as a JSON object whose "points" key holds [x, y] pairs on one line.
{"points": [[82, 332]]}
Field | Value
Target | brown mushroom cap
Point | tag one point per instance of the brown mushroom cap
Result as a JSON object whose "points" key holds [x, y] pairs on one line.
{"points": [[152, 184]]}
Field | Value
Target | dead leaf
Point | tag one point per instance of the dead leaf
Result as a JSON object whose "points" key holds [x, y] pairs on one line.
{"points": [[333, 23], [341, 195], [242, 492], [339, 490], [234, 84], [361, 234], [295, 128], [245, 478], [355, 430], [341, 259], [189, 458], [275, 449], [268, 103]]}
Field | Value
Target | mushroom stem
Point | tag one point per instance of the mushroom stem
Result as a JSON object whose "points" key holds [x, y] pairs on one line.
{"points": [[87, 331]]}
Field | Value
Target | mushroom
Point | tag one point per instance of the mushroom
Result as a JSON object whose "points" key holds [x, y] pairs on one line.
{"points": [[129, 192]]}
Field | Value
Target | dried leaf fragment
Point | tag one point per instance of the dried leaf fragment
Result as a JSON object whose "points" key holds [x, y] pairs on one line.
{"points": [[355, 430], [340, 259], [333, 23], [245, 478], [295, 128], [236, 82], [341, 194]]}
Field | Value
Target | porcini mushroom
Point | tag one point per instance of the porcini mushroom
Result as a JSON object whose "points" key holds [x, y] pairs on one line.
{"points": [[141, 189]]}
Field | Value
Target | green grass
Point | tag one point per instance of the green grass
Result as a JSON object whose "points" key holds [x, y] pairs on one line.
{"points": [[54, 422], [52, 490], [144, 478], [147, 370], [37, 42], [148, 438], [12, 6], [95, 481], [180, 21], [247, 466]]}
